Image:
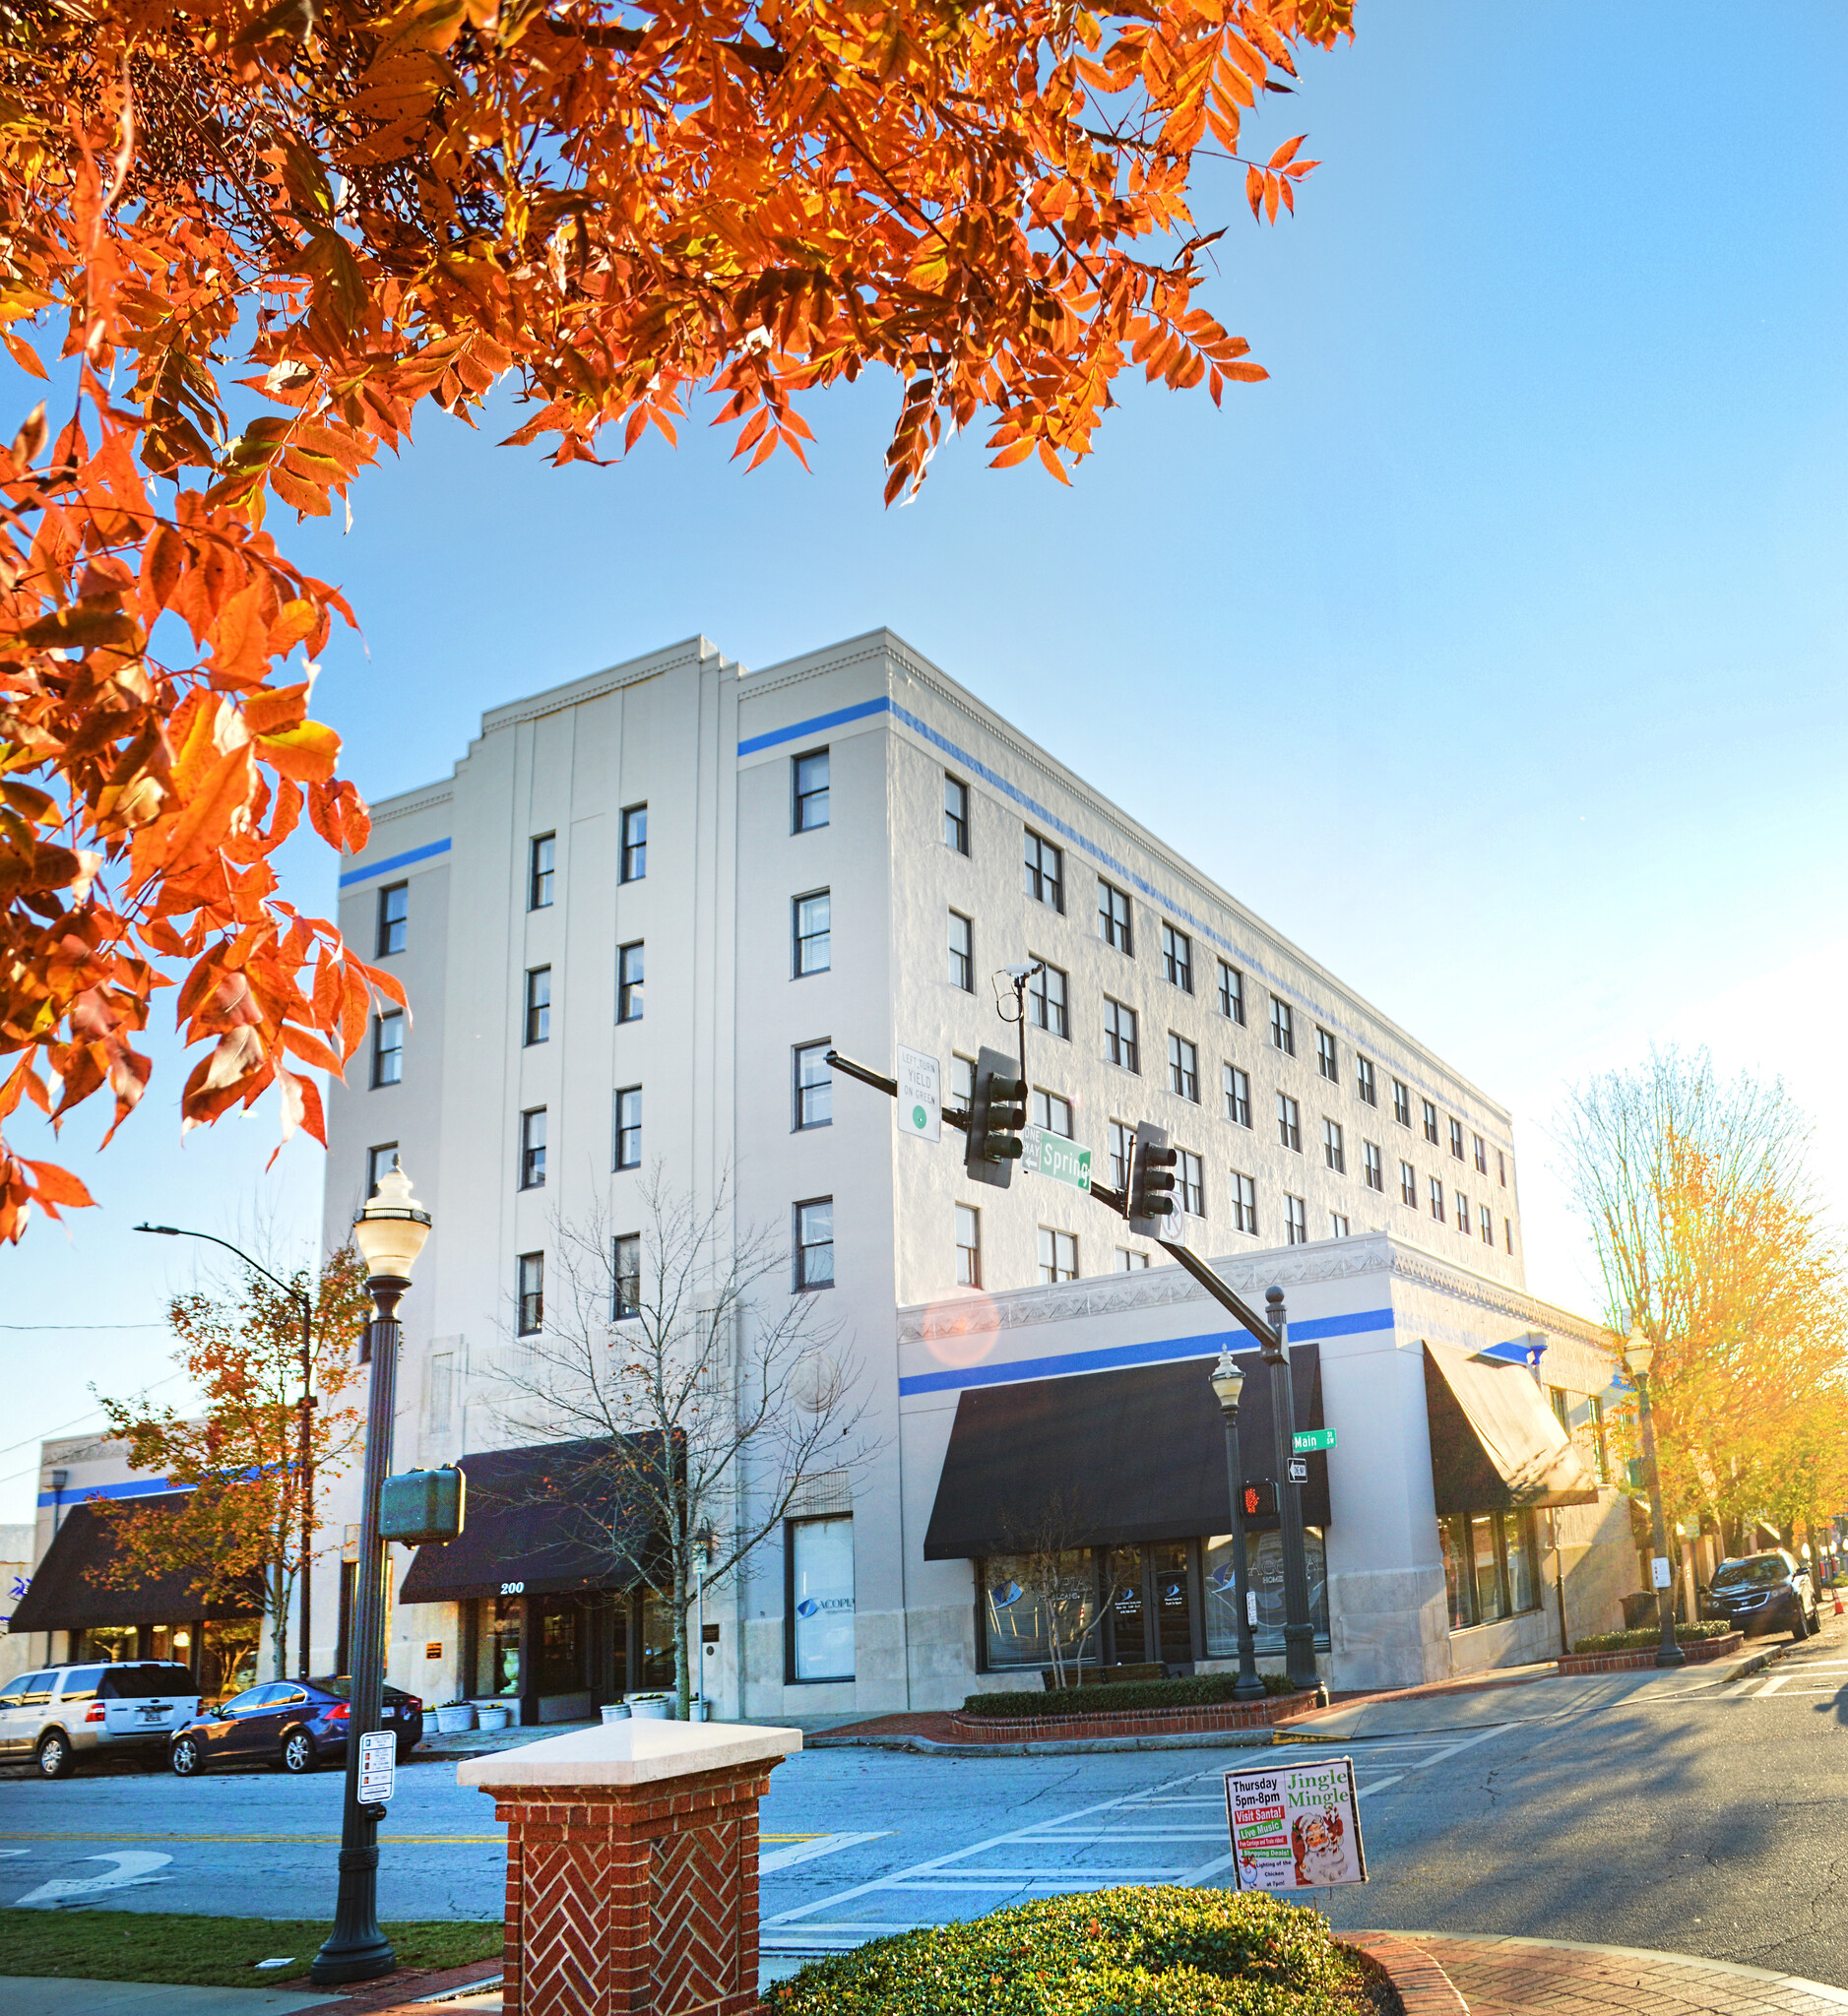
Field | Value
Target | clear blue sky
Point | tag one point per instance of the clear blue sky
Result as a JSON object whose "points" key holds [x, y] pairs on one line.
{"points": [[1492, 650]]}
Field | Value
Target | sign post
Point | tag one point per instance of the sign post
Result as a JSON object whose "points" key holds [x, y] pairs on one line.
{"points": [[1295, 1826], [378, 1767], [920, 1095]]}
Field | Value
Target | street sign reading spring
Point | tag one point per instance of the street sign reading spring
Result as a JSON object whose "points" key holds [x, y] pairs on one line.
{"points": [[1295, 1826], [1308, 1440], [1051, 1154]]}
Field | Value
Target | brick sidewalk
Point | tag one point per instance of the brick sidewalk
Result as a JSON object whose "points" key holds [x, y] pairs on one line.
{"points": [[1498, 1976]]}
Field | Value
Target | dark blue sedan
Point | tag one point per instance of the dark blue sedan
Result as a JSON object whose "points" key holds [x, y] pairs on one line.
{"points": [[296, 1724]]}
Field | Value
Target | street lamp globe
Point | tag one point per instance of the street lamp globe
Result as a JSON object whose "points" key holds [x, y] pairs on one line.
{"points": [[1228, 1381], [1638, 1351], [390, 1228]]}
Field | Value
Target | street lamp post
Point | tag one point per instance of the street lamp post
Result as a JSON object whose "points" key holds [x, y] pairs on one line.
{"points": [[389, 1232], [305, 1308], [1638, 1355], [1228, 1384], [1298, 1632]]}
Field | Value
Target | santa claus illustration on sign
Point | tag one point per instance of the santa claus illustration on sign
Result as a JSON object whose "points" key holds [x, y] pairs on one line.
{"points": [[1318, 1842]]}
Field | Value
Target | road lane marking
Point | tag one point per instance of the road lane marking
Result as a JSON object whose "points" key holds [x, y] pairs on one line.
{"points": [[132, 1866], [307, 1840], [805, 1848]]}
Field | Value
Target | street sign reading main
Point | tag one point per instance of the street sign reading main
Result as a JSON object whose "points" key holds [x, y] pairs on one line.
{"points": [[1307, 1441], [1051, 1154]]}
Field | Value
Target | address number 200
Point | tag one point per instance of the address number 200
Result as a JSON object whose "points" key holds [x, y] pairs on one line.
{"points": [[513, 1589]]}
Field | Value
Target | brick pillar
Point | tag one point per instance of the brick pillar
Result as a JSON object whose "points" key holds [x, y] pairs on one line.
{"points": [[632, 1867]]}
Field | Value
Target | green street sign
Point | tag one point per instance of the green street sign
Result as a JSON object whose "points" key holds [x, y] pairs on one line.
{"points": [[1055, 1157], [1306, 1440]]}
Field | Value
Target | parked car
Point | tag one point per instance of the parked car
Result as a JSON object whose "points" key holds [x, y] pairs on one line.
{"points": [[1758, 1593], [66, 1713], [296, 1724]]}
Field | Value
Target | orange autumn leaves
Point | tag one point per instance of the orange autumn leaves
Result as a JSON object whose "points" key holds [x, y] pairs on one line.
{"points": [[258, 237]]}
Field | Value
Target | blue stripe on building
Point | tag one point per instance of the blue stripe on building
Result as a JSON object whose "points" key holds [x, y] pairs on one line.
{"points": [[391, 861], [814, 725], [78, 1494]]}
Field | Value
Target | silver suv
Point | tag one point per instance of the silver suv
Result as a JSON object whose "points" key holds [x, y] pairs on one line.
{"points": [[67, 1711]]}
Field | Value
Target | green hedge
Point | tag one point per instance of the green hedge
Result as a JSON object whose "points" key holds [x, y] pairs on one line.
{"points": [[1639, 1641], [1140, 1952], [1203, 1690]]}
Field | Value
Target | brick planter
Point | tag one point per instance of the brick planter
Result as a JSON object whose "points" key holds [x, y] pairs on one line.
{"points": [[1643, 1657], [1129, 1722], [632, 1867]]}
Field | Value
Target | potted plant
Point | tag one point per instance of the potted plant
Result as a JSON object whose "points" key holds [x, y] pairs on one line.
{"points": [[615, 1711], [453, 1717], [493, 1714], [652, 1707]]}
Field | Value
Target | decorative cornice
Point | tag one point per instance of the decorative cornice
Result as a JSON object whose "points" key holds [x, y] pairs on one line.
{"points": [[409, 802]]}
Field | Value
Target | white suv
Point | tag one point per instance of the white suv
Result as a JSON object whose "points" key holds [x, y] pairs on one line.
{"points": [[70, 1711]]}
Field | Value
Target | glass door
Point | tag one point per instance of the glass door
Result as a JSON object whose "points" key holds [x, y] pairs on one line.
{"points": [[1174, 1601], [1128, 1611]]}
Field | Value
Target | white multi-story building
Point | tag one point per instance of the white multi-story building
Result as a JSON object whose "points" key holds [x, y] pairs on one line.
{"points": [[630, 926]]}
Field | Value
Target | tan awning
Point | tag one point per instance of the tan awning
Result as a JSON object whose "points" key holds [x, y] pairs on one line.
{"points": [[1494, 1442]]}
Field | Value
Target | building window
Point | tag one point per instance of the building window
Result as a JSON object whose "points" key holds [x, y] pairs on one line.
{"points": [[968, 1247], [1507, 1230], [1462, 1213], [1044, 873], [531, 1279], [1184, 1068], [1296, 1222], [1129, 1260], [629, 1127], [1482, 1155], [963, 1080], [1600, 1448], [1456, 1138], [1430, 1123], [1119, 1034], [1123, 1142], [821, 1599], [394, 919], [1177, 958], [1244, 1204], [1283, 1028], [1334, 1153], [1437, 1200], [1051, 1113], [1237, 1087], [1231, 993], [1191, 1186], [809, 777], [814, 1086], [1365, 1083], [1058, 1255], [1326, 1061], [1113, 917], [1048, 998], [1485, 1224], [1408, 1185], [388, 1048], [635, 843], [629, 976], [539, 872], [537, 1005], [1289, 1122], [1401, 1103], [1337, 1225], [1502, 1167], [955, 813], [1374, 1168], [814, 1243], [813, 950], [533, 1149], [379, 1161], [962, 953], [625, 1276], [1491, 1567]]}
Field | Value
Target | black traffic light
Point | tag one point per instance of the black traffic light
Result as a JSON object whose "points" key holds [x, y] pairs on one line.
{"points": [[1151, 1181], [995, 1120]]}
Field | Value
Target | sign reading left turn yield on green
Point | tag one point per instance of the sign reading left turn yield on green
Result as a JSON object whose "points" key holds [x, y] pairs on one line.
{"points": [[920, 1095]]}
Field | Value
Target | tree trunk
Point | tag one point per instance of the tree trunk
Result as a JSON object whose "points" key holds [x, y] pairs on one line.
{"points": [[682, 1665], [279, 1620]]}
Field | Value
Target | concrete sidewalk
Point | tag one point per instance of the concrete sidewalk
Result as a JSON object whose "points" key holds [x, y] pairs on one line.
{"points": [[1498, 1977]]}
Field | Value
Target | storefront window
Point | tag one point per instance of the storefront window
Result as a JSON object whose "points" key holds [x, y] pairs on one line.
{"points": [[107, 1641], [1264, 1578], [821, 1599], [1517, 1550], [1491, 1567], [561, 1645], [1017, 1620], [657, 1642], [1456, 1586], [497, 1646], [1483, 1557], [227, 1658]]}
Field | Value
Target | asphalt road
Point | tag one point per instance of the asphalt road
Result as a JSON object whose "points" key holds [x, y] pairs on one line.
{"points": [[1673, 1811]]}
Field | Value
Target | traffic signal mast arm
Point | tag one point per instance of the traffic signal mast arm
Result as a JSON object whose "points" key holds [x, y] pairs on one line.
{"points": [[1114, 1200]]}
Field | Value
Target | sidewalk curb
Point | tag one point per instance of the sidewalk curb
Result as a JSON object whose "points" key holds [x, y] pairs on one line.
{"points": [[1795, 1983], [1074, 1746], [1424, 1987], [405, 1985]]}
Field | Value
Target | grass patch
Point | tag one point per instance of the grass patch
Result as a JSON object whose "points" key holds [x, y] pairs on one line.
{"points": [[1202, 1690], [210, 1952], [1641, 1641], [1134, 1952]]}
